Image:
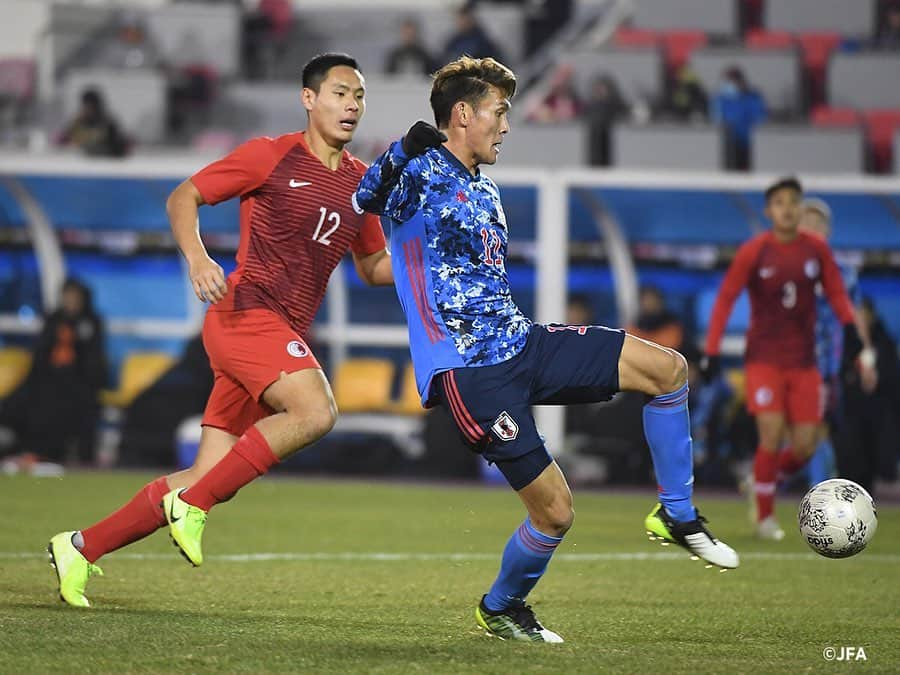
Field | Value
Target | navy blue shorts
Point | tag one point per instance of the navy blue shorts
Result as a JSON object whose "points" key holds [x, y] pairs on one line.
{"points": [[559, 365]]}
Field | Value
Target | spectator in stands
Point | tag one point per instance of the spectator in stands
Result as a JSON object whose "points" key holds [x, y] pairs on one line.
{"points": [[130, 46], [410, 56], [265, 32], [55, 411], [655, 322], [687, 100], [605, 107], [94, 130], [889, 29], [867, 442], [561, 103], [470, 38], [738, 108]]}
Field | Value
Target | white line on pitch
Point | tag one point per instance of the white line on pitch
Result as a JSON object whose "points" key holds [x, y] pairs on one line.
{"points": [[449, 557]]}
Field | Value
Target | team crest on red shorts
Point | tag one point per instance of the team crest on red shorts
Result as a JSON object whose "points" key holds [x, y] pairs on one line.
{"points": [[297, 349], [505, 427]]}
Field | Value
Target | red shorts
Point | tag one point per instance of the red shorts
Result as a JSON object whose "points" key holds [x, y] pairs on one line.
{"points": [[248, 350], [796, 392]]}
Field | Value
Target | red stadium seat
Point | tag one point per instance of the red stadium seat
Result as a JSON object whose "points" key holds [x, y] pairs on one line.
{"points": [[824, 116], [678, 46], [816, 49], [769, 39], [635, 37], [880, 126], [17, 78]]}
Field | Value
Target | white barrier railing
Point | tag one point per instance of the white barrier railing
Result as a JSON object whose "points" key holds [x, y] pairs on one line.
{"points": [[338, 332]]}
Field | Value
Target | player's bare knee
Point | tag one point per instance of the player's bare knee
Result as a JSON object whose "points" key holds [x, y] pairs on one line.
{"points": [[672, 375], [556, 518], [321, 420]]}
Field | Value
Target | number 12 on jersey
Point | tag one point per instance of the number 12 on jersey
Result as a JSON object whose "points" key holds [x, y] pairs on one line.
{"points": [[334, 220]]}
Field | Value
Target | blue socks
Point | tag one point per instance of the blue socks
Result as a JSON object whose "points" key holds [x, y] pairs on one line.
{"points": [[525, 559], [667, 426]]}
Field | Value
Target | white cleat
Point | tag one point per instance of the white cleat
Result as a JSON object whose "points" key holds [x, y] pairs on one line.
{"points": [[769, 529]]}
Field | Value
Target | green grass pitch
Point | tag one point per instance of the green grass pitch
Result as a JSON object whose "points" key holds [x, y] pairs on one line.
{"points": [[351, 577]]}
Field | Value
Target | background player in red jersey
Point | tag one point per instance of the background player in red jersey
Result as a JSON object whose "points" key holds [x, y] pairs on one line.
{"points": [[270, 397], [780, 269]]}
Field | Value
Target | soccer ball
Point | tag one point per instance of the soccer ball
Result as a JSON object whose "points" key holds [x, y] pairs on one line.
{"points": [[837, 518]]}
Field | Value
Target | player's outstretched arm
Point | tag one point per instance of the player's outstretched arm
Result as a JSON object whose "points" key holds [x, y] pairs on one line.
{"points": [[387, 188], [734, 282], [207, 276]]}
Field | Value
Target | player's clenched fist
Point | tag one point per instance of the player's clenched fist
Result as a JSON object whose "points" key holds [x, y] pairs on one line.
{"points": [[420, 137], [208, 280]]}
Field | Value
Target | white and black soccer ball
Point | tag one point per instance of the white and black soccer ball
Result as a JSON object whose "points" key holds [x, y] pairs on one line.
{"points": [[837, 518]]}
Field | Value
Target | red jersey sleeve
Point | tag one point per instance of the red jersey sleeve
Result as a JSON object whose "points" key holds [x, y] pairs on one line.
{"points": [[833, 284], [734, 282], [370, 238], [241, 171]]}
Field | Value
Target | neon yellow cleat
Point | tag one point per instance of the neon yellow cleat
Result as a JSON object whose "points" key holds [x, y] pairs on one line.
{"points": [[691, 535], [72, 569], [186, 523], [517, 622]]}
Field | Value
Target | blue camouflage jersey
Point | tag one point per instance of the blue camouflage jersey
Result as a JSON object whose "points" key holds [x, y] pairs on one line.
{"points": [[448, 252], [829, 332]]}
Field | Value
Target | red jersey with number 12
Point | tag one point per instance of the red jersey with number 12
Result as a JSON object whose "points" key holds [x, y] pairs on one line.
{"points": [[781, 279], [297, 221]]}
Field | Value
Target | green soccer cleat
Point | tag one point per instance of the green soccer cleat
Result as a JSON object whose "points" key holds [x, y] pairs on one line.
{"points": [[691, 535], [514, 623], [186, 523], [72, 569]]}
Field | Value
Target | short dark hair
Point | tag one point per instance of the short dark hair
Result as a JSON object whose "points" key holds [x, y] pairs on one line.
{"points": [[786, 183], [316, 69], [467, 79]]}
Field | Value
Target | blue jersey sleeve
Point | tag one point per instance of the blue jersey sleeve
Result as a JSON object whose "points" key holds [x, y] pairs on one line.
{"points": [[391, 187]]}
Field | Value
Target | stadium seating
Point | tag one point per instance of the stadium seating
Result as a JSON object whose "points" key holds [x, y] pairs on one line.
{"points": [[864, 80], [718, 18], [897, 150], [546, 145], [15, 363], [826, 116], [667, 146], [775, 73], [637, 71], [409, 402], [847, 17], [193, 33], [17, 77], [804, 149], [139, 371], [678, 45], [136, 98], [769, 39], [880, 128], [628, 37], [363, 385]]}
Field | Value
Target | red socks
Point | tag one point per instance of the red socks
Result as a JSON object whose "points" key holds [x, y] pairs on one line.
{"points": [[138, 518], [249, 458], [765, 468], [789, 463]]}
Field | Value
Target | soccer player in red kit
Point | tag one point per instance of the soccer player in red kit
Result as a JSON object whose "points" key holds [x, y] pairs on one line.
{"points": [[780, 269], [270, 397]]}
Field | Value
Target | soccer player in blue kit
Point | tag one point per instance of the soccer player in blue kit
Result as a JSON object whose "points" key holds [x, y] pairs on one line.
{"points": [[477, 354]]}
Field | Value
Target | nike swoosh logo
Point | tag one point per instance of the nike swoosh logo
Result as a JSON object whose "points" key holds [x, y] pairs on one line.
{"points": [[298, 183], [172, 517]]}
